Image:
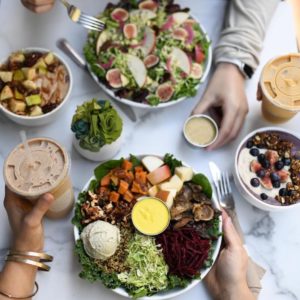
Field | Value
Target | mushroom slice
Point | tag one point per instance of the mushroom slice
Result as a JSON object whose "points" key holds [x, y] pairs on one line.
{"points": [[183, 222], [203, 212]]}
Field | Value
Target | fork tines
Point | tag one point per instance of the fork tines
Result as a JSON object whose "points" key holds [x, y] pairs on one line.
{"points": [[91, 22]]}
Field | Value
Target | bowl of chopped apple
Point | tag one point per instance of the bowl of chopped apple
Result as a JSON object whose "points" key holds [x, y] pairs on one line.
{"points": [[35, 84]]}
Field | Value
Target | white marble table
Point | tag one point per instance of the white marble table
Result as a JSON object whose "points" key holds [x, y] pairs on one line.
{"points": [[272, 239]]}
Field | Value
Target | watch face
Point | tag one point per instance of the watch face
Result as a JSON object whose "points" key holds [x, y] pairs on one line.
{"points": [[248, 70]]}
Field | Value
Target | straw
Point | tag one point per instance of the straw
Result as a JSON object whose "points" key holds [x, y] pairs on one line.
{"points": [[26, 146]]}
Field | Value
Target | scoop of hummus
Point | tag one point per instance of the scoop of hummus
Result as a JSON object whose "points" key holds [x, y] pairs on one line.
{"points": [[100, 239]]}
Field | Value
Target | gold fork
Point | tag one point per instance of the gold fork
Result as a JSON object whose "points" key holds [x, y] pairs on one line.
{"points": [[77, 16]]}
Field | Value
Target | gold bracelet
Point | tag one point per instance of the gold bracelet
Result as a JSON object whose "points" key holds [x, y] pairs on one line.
{"points": [[27, 297], [42, 256], [41, 266]]}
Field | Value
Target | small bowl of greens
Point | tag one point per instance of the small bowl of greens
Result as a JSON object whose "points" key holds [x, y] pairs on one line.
{"points": [[151, 54], [110, 248], [97, 129]]}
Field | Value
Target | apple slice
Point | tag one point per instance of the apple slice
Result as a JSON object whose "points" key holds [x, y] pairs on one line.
{"points": [[137, 69], [180, 59], [152, 163], [102, 38], [180, 17], [159, 175], [153, 191], [184, 173], [174, 183], [149, 41]]}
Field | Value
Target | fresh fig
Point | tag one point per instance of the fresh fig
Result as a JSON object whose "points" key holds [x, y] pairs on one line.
{"points": [[180, 34], [169, 24], [190, 22], [165, 92], [284, 175], [197, 71], [130, 31], [255, 166], [266, 183], [119, 15], [272, 156], [148, 4], [113, 77], [199, 54], [151, 61]]}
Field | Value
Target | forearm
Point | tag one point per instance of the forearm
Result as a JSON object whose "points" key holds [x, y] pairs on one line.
{"points": [[244, 31], [17, 279]]}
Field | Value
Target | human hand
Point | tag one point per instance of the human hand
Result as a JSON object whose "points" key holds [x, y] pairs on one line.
{"points": [[226, 101], [228, 277], [38, 6], [26, 220]]}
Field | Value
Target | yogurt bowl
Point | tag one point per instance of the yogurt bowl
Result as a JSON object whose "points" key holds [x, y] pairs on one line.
{"points": [[266, 169], [32, 79]]}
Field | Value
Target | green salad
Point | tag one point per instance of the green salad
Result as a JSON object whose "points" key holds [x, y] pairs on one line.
{"points": [[151, 51], [109, 247]]}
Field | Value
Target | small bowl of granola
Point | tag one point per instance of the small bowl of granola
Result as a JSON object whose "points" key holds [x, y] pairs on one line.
{"points": [[267, 168], [35, 84]]}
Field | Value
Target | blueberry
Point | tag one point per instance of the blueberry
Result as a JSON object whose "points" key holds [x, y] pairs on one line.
{"points": [[249, 144], [266, 164], [287, 161], [283, 192], [261, 157], [279, 165], [254, 152], [261, 173], [255, 182], [274, 177], [291, 193], [276, 184], [264, 196]]}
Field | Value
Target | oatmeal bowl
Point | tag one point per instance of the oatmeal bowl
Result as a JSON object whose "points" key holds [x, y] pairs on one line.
{"points": [[267, 169], [35, 84]]}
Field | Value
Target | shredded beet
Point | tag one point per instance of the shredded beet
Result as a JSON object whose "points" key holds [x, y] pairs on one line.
{"points": [[184, 251]]}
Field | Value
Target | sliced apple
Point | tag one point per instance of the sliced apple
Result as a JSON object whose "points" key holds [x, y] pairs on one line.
{"points": [[159, 175], [102, 38], [180, 59], [180, 17], [149, 41], [173, 192], [174, 183], [137, 69], [153, 191], [184, 173], [152, 163]]}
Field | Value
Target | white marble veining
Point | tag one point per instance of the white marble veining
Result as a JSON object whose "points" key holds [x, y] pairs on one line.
{"points": [[272, 239]]}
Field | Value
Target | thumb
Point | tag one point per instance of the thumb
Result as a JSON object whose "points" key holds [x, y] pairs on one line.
{"points": [[231, 237], [202, 106], [40, 208]]}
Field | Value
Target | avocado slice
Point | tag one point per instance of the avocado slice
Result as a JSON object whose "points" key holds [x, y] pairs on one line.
{"points": [[17, 106], [17, 57], [30, 73], [36, 111], [6, 76], [33, 100], [6, 93], [30, 85], [19, 75], [49, 58]]}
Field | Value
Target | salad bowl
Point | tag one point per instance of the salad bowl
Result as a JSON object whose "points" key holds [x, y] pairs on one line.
{"points": [[154, 91], [169, 293]]}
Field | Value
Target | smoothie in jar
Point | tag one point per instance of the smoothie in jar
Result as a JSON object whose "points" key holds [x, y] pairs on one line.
{"points": [[279, 88], [45, 170]]}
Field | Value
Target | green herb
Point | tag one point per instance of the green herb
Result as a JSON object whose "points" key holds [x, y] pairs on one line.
{"points": [[135, 161], [95, 124], [172, 162], [104, 168], [153, 100], [176, 282], [94, 184], [202, 180], [78, 216]]}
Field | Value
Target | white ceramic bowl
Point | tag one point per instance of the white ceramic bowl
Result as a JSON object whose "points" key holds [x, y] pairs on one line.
{"points": [[244, 191], [46, 118], [205, 117], [175, 292], [105, 153], [206, 70]]}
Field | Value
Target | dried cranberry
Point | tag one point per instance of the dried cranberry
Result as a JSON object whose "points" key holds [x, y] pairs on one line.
{"points": [[31, 58], [156, 29], [110, 6], [34, 92], [2, 84], [51, 68], [166, 77], [49, 107], [140, 95], [172, 8], [123, 93]]}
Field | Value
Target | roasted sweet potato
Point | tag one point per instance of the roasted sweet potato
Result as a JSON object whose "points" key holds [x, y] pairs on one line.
{"points": [[123, 187], [114, 196], [105, 181], [138, 169], [128, 196], [141, 177], [126, 165]]}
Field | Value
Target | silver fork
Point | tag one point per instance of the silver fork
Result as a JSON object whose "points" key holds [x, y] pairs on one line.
{"points": [[77, 16], [224, 191]]}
